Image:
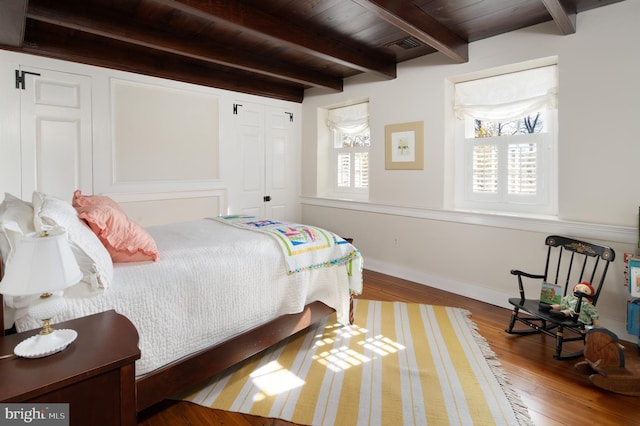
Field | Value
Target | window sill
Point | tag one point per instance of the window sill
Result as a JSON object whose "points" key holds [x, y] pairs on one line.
{"points": [[344, 197], [535, 223]]}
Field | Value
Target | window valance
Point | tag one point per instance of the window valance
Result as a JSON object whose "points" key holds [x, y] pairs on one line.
{"points": [[351, 119], [509, 96]]}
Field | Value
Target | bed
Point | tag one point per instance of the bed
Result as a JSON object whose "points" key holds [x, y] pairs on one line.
{"points": [[217, 292]]}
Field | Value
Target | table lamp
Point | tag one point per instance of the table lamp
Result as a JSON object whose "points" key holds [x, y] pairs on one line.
{"points": [[42, 263]]}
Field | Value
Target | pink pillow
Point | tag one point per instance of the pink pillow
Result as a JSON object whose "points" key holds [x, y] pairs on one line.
{"points": [[125, 240], [80, 200]]}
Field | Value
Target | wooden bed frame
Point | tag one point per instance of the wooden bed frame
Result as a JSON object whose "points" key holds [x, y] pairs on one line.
{"points": [[166, 381]]}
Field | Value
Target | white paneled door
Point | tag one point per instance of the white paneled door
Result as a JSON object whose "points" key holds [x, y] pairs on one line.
{"points": [[56, 142], [249, 145], [270, 158]]}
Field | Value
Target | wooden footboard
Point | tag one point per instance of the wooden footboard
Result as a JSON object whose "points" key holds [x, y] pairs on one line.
{"points": [[167, 381]]}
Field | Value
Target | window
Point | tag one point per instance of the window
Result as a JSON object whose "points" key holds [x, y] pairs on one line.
{"points": [[506, 142], [349, 128]]}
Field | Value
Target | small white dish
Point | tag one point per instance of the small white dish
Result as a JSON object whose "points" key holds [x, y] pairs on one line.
{"points": [[42, 345]]}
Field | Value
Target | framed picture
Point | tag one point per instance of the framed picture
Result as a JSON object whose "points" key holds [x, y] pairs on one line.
{"points": [[404, 145]]}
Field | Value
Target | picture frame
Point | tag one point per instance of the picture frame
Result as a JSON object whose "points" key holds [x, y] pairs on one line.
{"points": [[404, 146]]}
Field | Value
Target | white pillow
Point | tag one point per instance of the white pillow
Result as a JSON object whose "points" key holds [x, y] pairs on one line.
{"points": [[93, 259], [13, 209]]}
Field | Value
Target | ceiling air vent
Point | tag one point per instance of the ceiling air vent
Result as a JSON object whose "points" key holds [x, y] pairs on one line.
{"points": [[406, 43]]}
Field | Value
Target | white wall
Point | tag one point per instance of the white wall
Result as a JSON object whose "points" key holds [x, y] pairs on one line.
{"points": [[206, 173], [408, 229]]}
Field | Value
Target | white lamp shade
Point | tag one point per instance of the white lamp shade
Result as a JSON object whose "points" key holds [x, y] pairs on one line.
{"points": [[40, 263]]}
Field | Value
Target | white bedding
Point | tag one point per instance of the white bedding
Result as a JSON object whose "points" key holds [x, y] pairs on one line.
{"points": [[241, 283]]}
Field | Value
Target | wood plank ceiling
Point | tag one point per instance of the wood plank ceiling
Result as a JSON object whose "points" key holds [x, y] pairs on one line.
{"points": [[273, 48]]}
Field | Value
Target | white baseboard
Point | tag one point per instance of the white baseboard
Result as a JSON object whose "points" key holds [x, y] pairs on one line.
{"points": [[473, 291]]}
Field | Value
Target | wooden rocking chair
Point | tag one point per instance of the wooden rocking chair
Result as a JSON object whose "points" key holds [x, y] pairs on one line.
{"points": [[569, 261]]}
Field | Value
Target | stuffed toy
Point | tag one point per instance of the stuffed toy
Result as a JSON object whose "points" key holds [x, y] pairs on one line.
{"points": [[567, 307]]}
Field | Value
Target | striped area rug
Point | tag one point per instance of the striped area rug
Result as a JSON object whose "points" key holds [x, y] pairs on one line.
{"points": [[399, 363]]}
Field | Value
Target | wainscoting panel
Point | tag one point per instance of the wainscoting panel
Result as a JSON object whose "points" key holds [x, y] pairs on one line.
{"points": [[163, 134], [149, 209]]}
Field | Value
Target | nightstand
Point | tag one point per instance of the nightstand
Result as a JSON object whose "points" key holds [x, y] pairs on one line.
{"points": [[95, 375]]}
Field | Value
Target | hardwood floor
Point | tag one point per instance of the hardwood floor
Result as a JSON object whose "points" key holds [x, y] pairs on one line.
{"points": [[555, 392]]}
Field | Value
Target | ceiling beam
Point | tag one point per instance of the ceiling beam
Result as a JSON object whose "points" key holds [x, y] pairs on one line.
{"points": [[564, 19], [122, 29], [246, 18], [69, 45], [13, 15], [413, 20]]}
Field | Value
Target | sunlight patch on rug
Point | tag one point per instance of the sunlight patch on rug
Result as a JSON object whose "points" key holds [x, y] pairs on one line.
{"points": [[273, 379], [399, 363]]}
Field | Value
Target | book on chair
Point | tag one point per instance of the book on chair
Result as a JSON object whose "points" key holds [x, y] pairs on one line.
{"points": [[550, 293], [634, 276]]}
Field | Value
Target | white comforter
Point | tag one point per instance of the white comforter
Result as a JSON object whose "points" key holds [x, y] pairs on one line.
{"points": [[211, 282]]}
